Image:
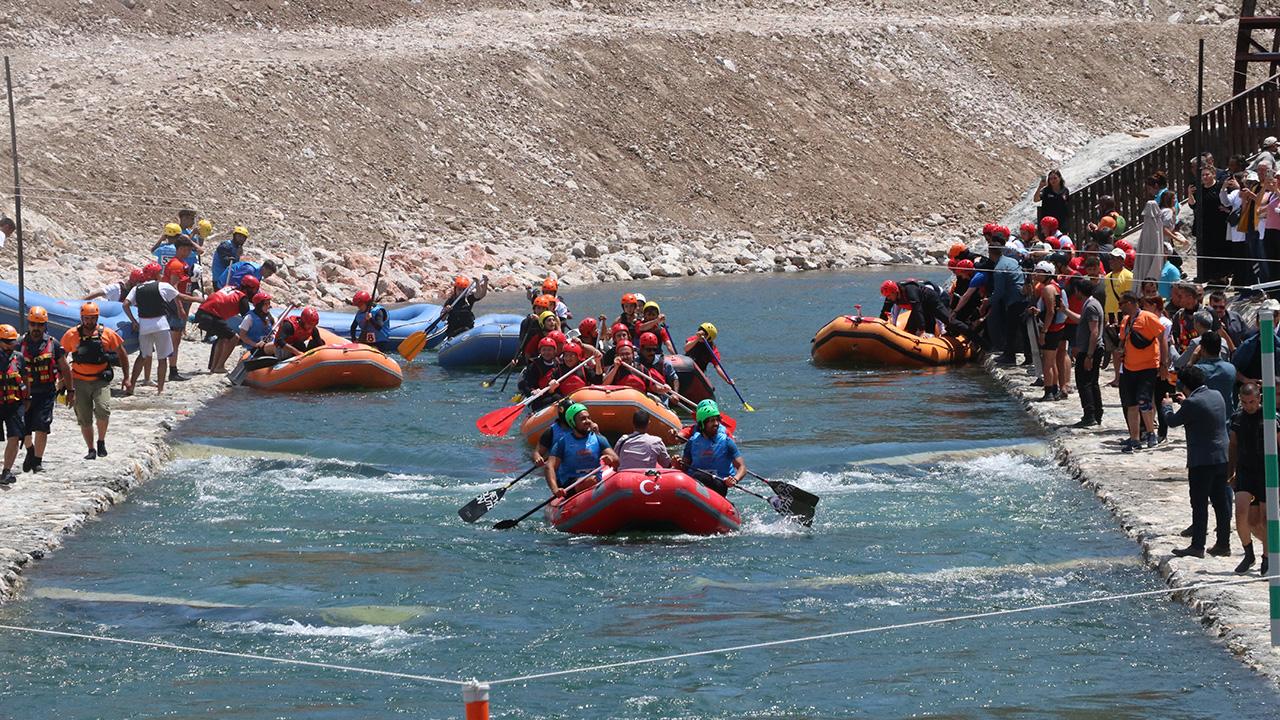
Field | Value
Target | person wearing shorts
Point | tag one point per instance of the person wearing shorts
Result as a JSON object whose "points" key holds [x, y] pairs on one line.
{"points": [[214, 317], [154, 300], [13, 399], [47, 374], [92, 349], [1246, 473], [1143, 353]]}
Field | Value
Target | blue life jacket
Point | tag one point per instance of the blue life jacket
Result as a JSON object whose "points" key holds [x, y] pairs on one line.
{"points": [[240, 269], [165, 253], [715, 456], [226, 255], [259, 329], [359, 328]]}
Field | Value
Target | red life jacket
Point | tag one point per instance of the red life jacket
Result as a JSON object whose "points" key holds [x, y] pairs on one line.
{"points": [[13, 387], [42, 364], [223, 304], [631, 380], [530, 349], [571, 384], [548, 374], [292, 332]]}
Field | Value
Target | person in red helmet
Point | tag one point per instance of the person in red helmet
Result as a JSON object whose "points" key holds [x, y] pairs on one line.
{"points": [[213, 317], [651, 361], [551, 288], [533, 327], [371, 324], [620, 374], [926, 302], [1052, 232], [619, 333], [115, 292], [541, 373], [589, 339], [176, 311], [15, 398], [570, 357], [963, 271], [462, 297], [256, 326], [152, 299], [630, 315], [299, 334]]}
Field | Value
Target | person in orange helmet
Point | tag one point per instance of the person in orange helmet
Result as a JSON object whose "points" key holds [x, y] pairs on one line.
{"points": [[91, 347], [465, 293], [47, 374], [14, 399], [551, 286]]}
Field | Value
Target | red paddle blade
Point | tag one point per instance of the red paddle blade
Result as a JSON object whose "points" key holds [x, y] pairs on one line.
{"points": [[499, 421], [729, 423]]}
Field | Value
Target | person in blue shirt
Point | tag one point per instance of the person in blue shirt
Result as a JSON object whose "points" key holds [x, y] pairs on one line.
{"points": [[1169, 274], [228, 254], [165, 248], [577, 453], [238, 270], [711, 456]]}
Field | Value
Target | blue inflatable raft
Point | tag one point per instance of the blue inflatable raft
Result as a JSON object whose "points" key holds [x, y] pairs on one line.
{"points": [[65, 314], [488, 344], [405, 321]]}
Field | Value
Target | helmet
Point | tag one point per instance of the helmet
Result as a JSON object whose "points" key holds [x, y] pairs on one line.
{"points": [[260, 297], [1000, 231], [951, 265], [1044, 266], [954, 251], [8, 332], [544, 302], [629, 299], [542, 316], [462, 282], [88, 310], [172, 229], [1049, 223], [175, 268], [639, 298], [652, 304], [136, 276], [558, 337], [1053, 242], [964, 266], [1108, 222], [648, 340], [707, 409], [250, 284], [1124, 245], [548, 341], [38, 314], [889, 289], [572, 347], [1129, 258], [988, 229], [241, 230], [710, 330], [623, 344], [1028, 228], [310, 318], [550, 286], [362, 298], [204, 227], [619, 327], [152, 270], [588, 326], [573, 412]]}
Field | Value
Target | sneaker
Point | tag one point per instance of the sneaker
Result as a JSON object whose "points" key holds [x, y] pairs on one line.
{"points": [[1188, 552], [1220, 550], [1126, 447], [102, 448], [1039, 382], [1151, 440], [7, 478], [91, 455], [1187, 532]]}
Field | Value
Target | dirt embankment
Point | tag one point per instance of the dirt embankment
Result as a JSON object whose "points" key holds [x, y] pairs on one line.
{"points": [[601, 141]]}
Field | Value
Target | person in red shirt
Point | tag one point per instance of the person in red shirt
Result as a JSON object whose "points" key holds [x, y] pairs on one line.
{"points": [[175, 274], [217, 310], [701, 348]]}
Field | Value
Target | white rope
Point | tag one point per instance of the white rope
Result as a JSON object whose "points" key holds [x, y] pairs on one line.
{"points": [[864, 631], [227, 653]]}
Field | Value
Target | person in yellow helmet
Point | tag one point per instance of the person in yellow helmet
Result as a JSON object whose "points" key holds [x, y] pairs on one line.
{"points": [[165, 249], [701, 348], [652, 320], [92, 348], [47, 374], [13, 399]]}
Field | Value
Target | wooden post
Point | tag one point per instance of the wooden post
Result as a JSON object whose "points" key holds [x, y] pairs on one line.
{"points": [[17, 201]]}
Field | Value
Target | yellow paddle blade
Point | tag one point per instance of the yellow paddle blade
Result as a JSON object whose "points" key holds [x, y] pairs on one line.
{"points": [[412, 345], [517, 398], [747, 407]]}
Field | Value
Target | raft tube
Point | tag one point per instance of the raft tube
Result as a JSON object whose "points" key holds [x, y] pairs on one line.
{"points": [[612, 407], [337, 364], [405, 321], [859, 340], [694, 384], [645, 501], [485, 345], [65, 314]]}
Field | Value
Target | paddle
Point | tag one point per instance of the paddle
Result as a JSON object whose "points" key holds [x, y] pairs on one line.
{"points": [[797, 500], [412, 345], [508, 524], [511, 365], [498, 422], [482, 504], [238, 373], [730, 425], [782, 505], [571, 335], [745, 405]]}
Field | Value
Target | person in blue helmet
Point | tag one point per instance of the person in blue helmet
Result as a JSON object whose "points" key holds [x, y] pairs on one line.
{"points": [[711, 456], [577, 453]]}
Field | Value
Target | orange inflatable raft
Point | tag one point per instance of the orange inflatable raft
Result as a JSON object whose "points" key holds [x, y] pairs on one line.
{"points": [[338, 364], [645, 501], [611, 407], [860, 340]]}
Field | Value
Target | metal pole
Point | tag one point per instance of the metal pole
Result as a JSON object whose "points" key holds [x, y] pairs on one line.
{"points": [[1266, 326], [1200, 113], [17, 201]]}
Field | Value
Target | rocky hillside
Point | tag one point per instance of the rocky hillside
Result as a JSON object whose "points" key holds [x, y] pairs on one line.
{"points": [[608, 140]]}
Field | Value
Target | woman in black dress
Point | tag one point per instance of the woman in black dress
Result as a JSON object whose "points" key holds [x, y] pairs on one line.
{"points": [[1052, 196]]}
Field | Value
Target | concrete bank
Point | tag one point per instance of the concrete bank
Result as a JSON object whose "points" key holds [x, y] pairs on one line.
{"points": [[1147, 492], [39, 510]]}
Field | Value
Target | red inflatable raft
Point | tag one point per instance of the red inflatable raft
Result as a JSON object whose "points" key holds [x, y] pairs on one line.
{"points": [[645, 501]]}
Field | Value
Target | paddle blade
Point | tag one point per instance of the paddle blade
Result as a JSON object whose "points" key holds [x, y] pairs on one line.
{"points": [[499, 421], [797, 494], [487, 383], [412, 345], [236, 376], [747, 406], [505, 524], [730, 425], [476, 509], [797, 504]]}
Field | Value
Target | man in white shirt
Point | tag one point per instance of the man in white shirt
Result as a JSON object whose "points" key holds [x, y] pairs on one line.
{"points": [[151, 298]]}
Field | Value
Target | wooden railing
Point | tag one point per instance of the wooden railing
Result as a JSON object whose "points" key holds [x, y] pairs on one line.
{"points": [[1235, 126]]}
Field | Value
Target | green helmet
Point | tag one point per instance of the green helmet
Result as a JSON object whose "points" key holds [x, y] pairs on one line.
{"points": [[706, 409], [572, 413]]}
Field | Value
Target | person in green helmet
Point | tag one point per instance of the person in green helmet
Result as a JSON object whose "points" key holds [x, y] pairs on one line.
{"points": [[577, 453], [711, 456]]}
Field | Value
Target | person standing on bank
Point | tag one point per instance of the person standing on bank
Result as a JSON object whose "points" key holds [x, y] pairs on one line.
{"points": [[1089, 353], [1202, 413], [47, 374], [1053, 196], [13, 399], [90, 346]]}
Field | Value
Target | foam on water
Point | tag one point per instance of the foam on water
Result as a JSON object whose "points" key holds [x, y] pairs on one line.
{"points": [[378, 638]]}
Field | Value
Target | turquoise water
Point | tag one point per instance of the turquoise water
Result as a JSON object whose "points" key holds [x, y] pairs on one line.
{"points": [[351, 504]]}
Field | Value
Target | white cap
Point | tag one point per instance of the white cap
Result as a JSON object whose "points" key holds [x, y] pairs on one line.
{"points": [[1117, 252], [1269, 141], [1044, 266]]}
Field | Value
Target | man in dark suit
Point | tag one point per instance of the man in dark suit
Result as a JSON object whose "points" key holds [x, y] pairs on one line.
{"points": [[1202, 412]]}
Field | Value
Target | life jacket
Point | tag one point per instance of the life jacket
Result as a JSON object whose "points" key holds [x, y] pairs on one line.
{"points": [[239, 270], [292, 332], [631, 380], [150, 301], [1058, 310], [259, 328], [571, 384], [530, 349], [90, 350], [41, 362], [546, 374], [13, 387], [382, 334], [223, 304]]}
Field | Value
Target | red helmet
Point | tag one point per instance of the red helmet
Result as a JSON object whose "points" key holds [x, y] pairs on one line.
{"points": [[1000, 231], [362, 298], [310, 318], [152, 271], [1049, 223], [572, 347], [1124, 245], [1053, 242], [136, 276], [557, 337], [648, 340], [964, 266], [1129, 257], [548, 341], [988, 229], [889, 289], [629, 299], [462, 282], [588, 326], [955, 250], [544, 302], [260, 298], [1027, 228], [249, 284], [620, 327], [550, 286], [623, 344], [951, 265]]}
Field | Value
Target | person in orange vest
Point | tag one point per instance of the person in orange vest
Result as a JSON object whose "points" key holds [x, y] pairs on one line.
{"points": [[13, 399], [47, 375], [175, 274], [91, 346]]}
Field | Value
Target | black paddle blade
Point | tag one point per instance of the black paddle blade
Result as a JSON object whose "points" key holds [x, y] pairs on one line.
{"points": [[797, 495], [505, 524], [476, 509], [793, 504]]}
